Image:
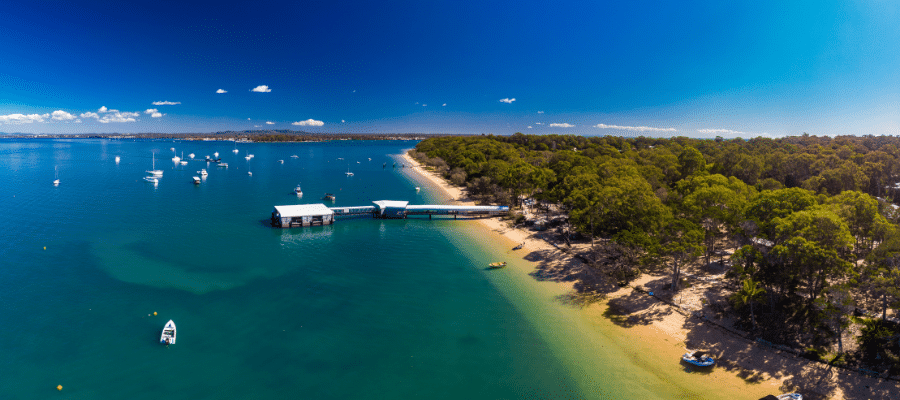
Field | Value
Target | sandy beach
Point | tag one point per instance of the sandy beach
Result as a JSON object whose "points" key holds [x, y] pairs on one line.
{"points": [[650, 327]]}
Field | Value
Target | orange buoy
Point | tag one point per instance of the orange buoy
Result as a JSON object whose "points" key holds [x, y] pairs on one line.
{"points": [[59, 387], [154, 313]]}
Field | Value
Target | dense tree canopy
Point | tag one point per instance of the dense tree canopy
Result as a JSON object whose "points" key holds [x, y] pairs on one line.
{"points": [[809, 220]]}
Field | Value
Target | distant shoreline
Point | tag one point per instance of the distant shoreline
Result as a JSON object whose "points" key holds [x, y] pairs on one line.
{"points": [[239, 136]]}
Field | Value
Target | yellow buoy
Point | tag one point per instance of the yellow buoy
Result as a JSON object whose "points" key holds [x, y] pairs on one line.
{"points": [[45, 247], [59, 387], [154, 313]]}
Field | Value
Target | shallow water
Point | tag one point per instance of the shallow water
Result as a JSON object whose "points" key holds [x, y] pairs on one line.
{"points": [[360, 309]]}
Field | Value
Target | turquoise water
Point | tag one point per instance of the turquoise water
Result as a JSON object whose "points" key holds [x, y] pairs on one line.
{"points": [[360, 309]]}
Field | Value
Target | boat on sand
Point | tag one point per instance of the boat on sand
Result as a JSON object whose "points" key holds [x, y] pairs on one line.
{"points": [[698, 358], [168, 333], [497, 265]]}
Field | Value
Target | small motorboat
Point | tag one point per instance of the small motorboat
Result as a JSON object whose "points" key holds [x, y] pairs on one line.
{"points": [[520, 246], [281, 161], [56, 182], [118, 159], [223, 165], [790, 396], [295, 156], [183, 162], [698, 358], [497, 265], [203, 172], [151, 179], [329, 196], [297, 191], [191, 156], [168, 333], [216, 154], [196, 180]]}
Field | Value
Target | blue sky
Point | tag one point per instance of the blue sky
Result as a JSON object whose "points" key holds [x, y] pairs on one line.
{"points": [[697, 69]]}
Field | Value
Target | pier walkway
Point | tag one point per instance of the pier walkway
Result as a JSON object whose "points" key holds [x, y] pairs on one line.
{"points": [[319, 214]]}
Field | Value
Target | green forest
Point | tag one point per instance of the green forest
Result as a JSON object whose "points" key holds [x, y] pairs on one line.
{"points": [[806, 224]]}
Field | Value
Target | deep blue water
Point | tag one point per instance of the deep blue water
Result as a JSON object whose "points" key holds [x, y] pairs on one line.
{"points": [[360, 309]]}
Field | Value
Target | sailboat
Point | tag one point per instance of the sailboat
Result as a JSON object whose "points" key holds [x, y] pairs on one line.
{"points": [[235, 147], [182, 159], [176, 158], [348, 170], [248, 168], [155, 172], [56, 180]]}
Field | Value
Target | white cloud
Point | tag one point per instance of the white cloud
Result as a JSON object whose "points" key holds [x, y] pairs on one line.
{"points": [[635, 128], [444, 105], [154, 113], [221, 91], [538, 123], [728, 131], [529, 126], [61, 115], [89, 115], [77, 121], [309, 122], [166, 103], [424, 105], [354, 91], [562, 125], [102, 109], [261, 89], [508, 101], [116, 116], [22, 118], [540, 112], [270, 123], [342, 121]]}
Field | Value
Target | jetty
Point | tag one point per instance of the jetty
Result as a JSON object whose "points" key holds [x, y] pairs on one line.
{"points": [[290, 216]]}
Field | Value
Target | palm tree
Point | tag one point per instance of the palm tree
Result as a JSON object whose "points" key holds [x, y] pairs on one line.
{"points": [[748, 294]]}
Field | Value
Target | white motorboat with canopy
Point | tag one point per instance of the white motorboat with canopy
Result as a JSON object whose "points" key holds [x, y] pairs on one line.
{"points": [[168, 333]]}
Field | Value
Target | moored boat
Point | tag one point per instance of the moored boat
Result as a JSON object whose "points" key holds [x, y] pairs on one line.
{"points": [[298, 191], [329, 196], [698, 358], [203, 172], [196, 180], [520, 246], [497, 265], [790, 396], [168, 333]]}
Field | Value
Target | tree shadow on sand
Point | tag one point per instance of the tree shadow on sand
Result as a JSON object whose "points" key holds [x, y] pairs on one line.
{"points": [[589, 286]]}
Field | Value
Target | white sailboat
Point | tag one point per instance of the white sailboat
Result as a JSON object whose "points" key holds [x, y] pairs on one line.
{"points": [[155, 172], [182, 159], [348, 170], [235, 147], [168, 333], [56, 178]]}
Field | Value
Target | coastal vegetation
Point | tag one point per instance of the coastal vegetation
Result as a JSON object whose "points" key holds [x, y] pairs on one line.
{"points": [[804, 228]]}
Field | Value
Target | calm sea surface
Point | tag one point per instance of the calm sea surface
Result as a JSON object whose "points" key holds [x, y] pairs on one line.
{"points": [[360, 309]]}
